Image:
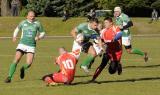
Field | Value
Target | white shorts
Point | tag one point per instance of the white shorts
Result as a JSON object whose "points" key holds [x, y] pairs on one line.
{"points": [[77, 48], [126, 41], [97, 48], [25, 48]]}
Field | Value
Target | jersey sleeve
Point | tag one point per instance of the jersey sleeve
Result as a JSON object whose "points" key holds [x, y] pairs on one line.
{"points": [[80, 27], [20, 25], [40, 28], [126, 18], [118, 30]]}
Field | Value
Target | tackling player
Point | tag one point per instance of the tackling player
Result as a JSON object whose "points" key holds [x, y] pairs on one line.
{"points": [[124, 22], [67, 63], [111, 36], [32, 31]]}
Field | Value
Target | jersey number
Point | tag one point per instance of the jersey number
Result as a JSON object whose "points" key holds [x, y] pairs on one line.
{"points": [[68, 64]]}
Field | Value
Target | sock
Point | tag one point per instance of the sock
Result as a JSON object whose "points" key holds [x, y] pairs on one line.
{"points": [[26, 66], [136, 51], [87, 61], [12, 69]]}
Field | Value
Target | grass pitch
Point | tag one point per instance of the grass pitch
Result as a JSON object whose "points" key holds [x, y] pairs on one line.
{"points": [[138, 78]]}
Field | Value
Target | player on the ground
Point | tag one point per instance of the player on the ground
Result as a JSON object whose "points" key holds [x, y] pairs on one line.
{"points": [[124, 22], [111, 36], [82, 35], [32, 31], [67, 64]]}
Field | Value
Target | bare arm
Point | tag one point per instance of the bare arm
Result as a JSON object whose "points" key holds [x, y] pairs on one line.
{"points": [[41, 36], [74, 33], [15, 34]]}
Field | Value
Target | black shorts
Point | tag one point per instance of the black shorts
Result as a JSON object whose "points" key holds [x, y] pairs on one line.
{"points": [[86, 46], [23, 52], [128, 47]]}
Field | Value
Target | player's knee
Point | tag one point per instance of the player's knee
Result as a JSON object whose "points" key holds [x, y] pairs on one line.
{"points": [[16, 61], [112, 68]]}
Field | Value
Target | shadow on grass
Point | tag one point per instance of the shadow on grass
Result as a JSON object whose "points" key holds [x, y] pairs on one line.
{"points": [[148, 66], [82, 76], [117, 81]]}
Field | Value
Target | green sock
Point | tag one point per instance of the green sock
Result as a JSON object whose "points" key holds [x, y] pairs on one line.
{"points": [[12, 69], [136, 51], [87, 61], [26, 66]]}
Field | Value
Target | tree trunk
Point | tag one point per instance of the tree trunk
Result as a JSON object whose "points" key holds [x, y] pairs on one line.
{"points": [[5, 9]]}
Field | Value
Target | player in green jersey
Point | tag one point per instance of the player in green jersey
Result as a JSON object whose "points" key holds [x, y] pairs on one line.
{"points": [[32, 31], [83, 35], [124, 22]]}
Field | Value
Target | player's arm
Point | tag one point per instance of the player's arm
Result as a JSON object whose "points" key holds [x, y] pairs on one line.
{"points": [[118, 34], [55, 61], [129, 24], [41, 32], [77, 30], [15, 34], [128, 21], [74, 33]]}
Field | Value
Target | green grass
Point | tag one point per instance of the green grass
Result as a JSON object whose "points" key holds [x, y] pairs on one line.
{"points": [[55, 26], [138, 78]]}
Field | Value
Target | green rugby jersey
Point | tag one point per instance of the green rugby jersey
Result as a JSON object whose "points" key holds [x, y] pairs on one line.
{"points": [[29, 32], [122, 20], [86, 31]]}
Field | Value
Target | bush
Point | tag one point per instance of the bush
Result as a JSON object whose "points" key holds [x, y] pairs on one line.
{"points": [[23, 12]]}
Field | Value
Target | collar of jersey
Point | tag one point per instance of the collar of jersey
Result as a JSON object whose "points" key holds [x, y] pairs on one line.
{"points": [[30, 22]]}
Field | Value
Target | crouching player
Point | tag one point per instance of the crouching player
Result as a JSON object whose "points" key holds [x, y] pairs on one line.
{"points": [[67, 63], [111, 35]]}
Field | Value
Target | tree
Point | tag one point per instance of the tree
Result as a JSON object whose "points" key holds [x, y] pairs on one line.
{"points": [[5, 7], [156, 4]]}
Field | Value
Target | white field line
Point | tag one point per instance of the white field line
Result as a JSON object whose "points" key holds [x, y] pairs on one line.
{"points": [[145, 35]]}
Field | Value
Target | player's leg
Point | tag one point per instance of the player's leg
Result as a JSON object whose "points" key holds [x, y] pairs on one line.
{"points": [[29, 60], [126, 41], [113, 67], [98, 50], [131, 50], [48, 78], [104, 62], [90, 57], [56, 78], [118, 57], [12, 69]]}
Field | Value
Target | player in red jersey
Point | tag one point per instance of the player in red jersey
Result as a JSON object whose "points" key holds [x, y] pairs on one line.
{"points": [[111, 36], [67, 63]]}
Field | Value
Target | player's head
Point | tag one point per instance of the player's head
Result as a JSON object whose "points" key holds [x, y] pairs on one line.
{"points": [[108, 22], [117, 11], [93, 23], [62, 50], [31, 16]]}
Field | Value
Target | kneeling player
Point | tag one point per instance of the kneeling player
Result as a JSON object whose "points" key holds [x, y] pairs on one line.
{"points": [[67, 63], [111, 36]]}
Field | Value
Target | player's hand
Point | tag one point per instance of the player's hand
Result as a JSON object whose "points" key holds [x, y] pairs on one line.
{"points": [[55, 60], [37, 38], [14, 39]]}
